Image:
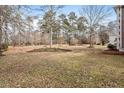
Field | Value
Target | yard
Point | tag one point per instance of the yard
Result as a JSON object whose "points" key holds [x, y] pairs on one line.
{"points": [[73, 66]]}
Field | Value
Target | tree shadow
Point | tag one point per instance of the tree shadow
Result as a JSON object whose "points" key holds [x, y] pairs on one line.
{"points": [[2, 55], [50, 50], [113, 52]]}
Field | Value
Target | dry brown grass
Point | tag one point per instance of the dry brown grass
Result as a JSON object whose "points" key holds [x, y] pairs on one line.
{"points": [[81, 67]]}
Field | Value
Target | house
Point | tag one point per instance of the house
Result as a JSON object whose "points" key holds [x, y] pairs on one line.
{"points": [[120, 17]]}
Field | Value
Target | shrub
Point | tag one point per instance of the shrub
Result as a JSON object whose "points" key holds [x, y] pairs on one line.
{"points": [[82, 40], [98, 44], [4, 47], [104, 37], [73, 41], [27, 43], [111, 47], [61, 40]]}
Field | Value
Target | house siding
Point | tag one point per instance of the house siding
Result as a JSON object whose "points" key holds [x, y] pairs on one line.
{"points": [[119, 9], [122, 33]]}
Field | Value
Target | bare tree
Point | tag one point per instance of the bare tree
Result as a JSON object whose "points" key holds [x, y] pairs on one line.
{"points": [[94, 14], [113, 27], [18, 25], [5, 15]]}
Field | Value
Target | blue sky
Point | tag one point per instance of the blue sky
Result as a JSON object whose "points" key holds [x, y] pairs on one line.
{"points": [[66, 9], [69, 8]]}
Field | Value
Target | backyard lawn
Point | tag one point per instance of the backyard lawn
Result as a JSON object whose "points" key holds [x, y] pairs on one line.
{"points": [[73, 66]]}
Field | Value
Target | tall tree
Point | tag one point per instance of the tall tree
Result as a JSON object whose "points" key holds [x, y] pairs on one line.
{"points": [[29, 34], [49, 18], [73, 24], [69, 24], [94, 15], [81, 23], [72, 20], [5, 15]]}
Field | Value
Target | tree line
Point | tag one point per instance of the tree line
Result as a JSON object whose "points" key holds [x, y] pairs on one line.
{"points": [[17, 28]]}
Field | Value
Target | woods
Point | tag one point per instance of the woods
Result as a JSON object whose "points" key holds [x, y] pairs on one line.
{"points": [[17, 26]]}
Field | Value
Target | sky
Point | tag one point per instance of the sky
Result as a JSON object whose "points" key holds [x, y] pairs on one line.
{"points": [[66, 10]]}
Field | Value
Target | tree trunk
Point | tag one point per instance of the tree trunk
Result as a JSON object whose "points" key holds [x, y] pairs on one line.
{"points": [[14, 39], [0, 35], [0, 40], [103, 43], [6, 34], [19, 38], [51, 34], [91, 40]]}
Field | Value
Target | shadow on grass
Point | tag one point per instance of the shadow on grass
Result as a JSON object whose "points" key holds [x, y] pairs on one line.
{"points": [[113, 52], [50, 50], [2, 55]]}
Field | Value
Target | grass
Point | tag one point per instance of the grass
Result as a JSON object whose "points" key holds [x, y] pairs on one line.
{"points": [[81, 67]]}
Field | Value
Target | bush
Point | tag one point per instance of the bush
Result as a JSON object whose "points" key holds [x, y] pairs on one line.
{"points": [[4, 47], [27, 43], [73, 41], [83, 40], [98, 44], [61, 40], [111, 47], [104, 37]]}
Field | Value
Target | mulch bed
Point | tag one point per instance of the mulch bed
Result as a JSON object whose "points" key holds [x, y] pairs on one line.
{"points": [[50, 50], [113, 52]]}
